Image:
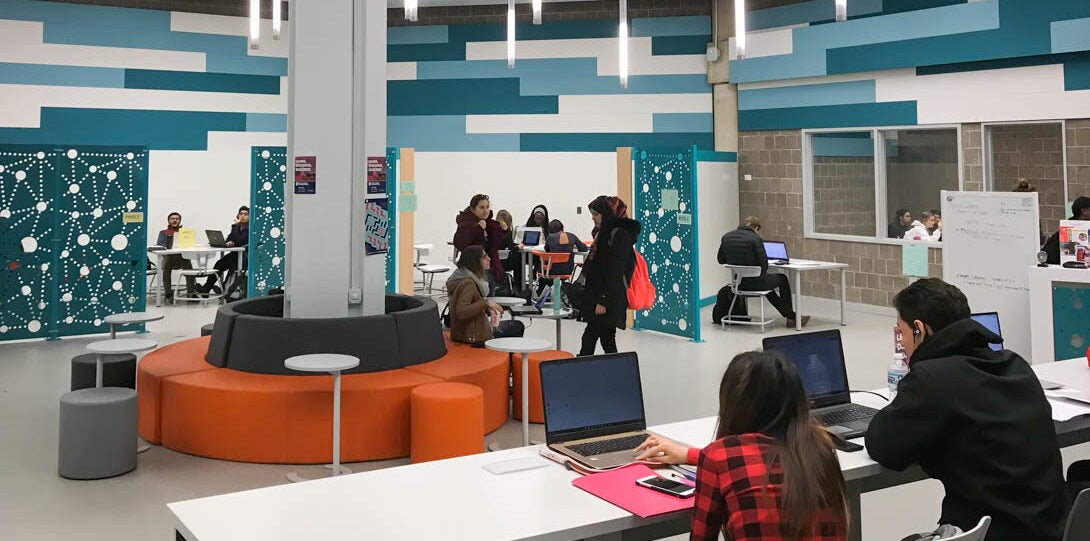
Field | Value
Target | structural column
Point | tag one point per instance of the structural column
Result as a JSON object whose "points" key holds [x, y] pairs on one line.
{"points": [[337, 114]]}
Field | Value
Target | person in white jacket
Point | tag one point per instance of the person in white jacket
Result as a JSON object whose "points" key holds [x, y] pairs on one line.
{"points": [[921, 229]]}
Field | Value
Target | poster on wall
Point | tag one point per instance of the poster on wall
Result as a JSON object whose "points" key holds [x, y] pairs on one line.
{"points": [[1074, 241], [306, 174], [376, 176], [376, 227]]}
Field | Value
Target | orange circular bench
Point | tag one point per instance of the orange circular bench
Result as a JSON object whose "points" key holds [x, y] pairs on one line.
{"points": [[447, 421]]}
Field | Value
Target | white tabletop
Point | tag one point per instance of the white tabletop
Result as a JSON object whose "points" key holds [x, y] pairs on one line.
{"points": [[321, 362], [547, 313], [199, 249], [507, 301], [518, 345], [423, 246], [128, 318], [121, 345], [809, 264]]}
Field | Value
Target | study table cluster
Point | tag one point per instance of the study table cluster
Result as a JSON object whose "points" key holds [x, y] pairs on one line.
{"points": [[458, 499]]}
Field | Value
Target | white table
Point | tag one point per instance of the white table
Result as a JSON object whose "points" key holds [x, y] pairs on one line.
{"points": [[116, 346], [794, 271], [202, 253], [547, 312], [333, 363], [525, 346], [507, 301], [527, 267], [129, 318], [471, 503]]}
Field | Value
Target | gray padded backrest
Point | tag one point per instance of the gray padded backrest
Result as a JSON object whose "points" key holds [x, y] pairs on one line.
{"points": [[220, 343], [420, 333], [270, 306], [261, 344]]}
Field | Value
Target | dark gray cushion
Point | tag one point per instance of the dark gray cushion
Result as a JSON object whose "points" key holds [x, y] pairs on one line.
{"points": [[220, 343], [271, 306], [397, 303], [261, 344], [420, 333], [117, 371], [206, 329]]}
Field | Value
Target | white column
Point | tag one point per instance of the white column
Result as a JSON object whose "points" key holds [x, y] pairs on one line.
{"points": [[336, 112]]}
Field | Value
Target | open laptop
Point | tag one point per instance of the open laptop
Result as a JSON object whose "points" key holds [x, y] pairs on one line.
{"points": [[776, 252], [594, 408], [819, 358], [531, 309], [990, 320], [530, 236], [215, 238]]}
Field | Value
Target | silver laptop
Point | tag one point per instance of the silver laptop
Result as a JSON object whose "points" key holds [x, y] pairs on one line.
{"points": [[776, 252], [529, 236], [215, 238], [819, 358], [594, 408]]}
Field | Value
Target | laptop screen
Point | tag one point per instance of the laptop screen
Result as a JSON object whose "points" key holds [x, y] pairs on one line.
{"points": [[592, 396], [776, 250], [531, 236], [990, 320], [819, 358]]}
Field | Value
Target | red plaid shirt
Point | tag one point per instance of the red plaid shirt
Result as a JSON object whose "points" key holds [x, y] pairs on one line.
{"points": [[738, 493]]}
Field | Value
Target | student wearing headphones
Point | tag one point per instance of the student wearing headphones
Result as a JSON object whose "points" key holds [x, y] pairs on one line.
{"points": [[973, 418]]}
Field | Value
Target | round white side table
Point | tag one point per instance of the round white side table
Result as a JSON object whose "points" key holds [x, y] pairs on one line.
{"points": [[525, 346], [129, 318], [123, 345], [332, 363]]}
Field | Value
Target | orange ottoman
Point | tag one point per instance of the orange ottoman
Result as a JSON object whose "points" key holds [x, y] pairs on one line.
{"points": [[447, 421], [537, 412], [178, 358], [481, 367]]}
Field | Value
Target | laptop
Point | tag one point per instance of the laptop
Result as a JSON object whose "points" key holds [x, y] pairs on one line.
{"points": [[594, 408], [531, 309], [990, 320], [776, 252], [530, 236], [215, 238], [819, 358]]}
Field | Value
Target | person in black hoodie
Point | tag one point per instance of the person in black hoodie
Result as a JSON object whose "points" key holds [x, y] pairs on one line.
{"points": [[975, 419], [608, 268], [1080, 210], [744, 246]]}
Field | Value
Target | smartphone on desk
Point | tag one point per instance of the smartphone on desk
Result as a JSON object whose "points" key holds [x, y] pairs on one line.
{"points": [[667, 486]]}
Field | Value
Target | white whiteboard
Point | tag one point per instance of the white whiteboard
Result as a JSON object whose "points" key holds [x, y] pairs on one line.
{"points": [[990, 240]]}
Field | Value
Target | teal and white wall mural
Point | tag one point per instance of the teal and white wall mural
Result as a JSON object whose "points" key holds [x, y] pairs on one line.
{"points": [[267, 232]]}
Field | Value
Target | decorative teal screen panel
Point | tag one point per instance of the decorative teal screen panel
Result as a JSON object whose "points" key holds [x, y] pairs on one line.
{"points": [[101, 209], [1070, 320], [666, 207], [26, 247], [392, 157], [268, 174]]}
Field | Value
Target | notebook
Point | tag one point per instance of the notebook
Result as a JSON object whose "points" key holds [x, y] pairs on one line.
{"points": [[990, 320], [776, 252], [594, 408], [619, 488], [819, 358]]}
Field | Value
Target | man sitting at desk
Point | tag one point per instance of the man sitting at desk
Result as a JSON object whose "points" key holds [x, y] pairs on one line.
{"points": [[239, 236], [171, 262], [973, 418], [744, 246]]}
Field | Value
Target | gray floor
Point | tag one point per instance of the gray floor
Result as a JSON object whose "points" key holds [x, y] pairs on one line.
{"points": [[680, 382]]}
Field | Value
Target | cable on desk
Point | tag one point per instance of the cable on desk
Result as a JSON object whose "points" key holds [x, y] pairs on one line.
{"points": [[883, 397]]}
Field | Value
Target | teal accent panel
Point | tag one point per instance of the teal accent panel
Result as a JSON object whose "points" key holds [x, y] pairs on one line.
{"points": [[243, 63], [459, 35], [445, 133], [266, 251], [1077, 74], [713, 156], [158, 130], [530, 69], [266, 122], [697, 25], [807, 95], [555, 76], [944, 21], [1070, 320], [94, 17], [392, 157], [464, 97], [807, 12], [669, 248], [801, 63], [832, 144], [1071, 36], [682, 122], [49, 75], [1001, 63], [901, 6], [101, 267], [668, 45], [608, 142], [202, 82], [894, 113], [707, 301], [27, 291], [415, 35]]}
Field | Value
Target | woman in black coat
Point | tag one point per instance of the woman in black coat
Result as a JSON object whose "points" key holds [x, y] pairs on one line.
{"points": [[607, 269]]}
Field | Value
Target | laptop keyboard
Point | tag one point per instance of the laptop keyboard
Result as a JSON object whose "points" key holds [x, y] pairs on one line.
{"points": [[853, 412], [602, 447]]}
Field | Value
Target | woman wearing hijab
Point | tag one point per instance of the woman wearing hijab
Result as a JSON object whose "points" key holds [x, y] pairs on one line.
{"points": [[539, 217], [608, 268], [477, 228]]}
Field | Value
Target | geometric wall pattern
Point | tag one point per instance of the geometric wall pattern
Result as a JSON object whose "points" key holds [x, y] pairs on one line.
{"points": [[393, 155], [951, 62], [666, 209], [269, 166], [72, 243], [1071, 316]]}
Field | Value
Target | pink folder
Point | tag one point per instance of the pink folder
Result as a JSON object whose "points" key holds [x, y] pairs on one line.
{"points": [[619, 488]]}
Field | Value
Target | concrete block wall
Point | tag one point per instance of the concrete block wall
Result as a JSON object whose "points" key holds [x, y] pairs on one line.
{"points": [[1078, 158], [844, 195], [1034, 152]]}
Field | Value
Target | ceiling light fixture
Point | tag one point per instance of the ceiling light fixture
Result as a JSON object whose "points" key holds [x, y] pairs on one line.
{"points": [[622, 41], [276, 18], [841, 10], [740, 28], [411, 8], [510, 33], [255, 22], [537, 11]]}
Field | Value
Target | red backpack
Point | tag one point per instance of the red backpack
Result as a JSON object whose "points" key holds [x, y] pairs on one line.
{"points": [[640, 291]]}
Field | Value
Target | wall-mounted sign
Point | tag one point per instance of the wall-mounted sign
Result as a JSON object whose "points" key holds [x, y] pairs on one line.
{"points": [[376, 176], [376, 226], [306, 174]]}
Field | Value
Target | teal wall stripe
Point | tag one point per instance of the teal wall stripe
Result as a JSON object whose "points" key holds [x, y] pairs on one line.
{"points": [[699, 25], [608, 142], [673, 45], [826, 144], [807, 95], [51, 75], [1077, 74], [413, 35], [801, 63], [157, 130], [445, 133], [1071, 35], [202, 81], [266, 122], [464, 97], [832, 116], [682, 122], [807, 12], [1003, 63], [713, 156]]}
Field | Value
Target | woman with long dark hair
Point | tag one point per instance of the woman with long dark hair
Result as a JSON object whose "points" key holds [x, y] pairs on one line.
{"points": [[473, 318], [607, 269], [772, 471], [477, 228]]}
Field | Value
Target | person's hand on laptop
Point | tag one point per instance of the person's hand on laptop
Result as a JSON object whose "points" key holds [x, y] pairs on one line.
{"points": [[662, 451]]}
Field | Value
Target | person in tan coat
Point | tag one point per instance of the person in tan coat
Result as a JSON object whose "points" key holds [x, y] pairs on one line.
{"points": [[473, 318]]}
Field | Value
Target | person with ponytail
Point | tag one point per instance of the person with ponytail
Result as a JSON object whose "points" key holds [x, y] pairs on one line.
{"points": [[772, 471]]}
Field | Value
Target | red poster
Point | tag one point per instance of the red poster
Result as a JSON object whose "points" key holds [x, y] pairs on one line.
{"points": [[376, 175], [306, 174]]}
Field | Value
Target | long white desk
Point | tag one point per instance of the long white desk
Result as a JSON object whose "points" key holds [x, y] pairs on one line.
{"points": [[457, 499], [201, 252], [794, 271]]}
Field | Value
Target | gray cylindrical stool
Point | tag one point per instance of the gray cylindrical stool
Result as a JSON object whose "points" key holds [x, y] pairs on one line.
{"points": [[97, 433], [118, 370], [206, 329]]}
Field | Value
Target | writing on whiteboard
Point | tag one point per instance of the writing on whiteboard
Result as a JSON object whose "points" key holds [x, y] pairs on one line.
{"points": [[995, 283]]}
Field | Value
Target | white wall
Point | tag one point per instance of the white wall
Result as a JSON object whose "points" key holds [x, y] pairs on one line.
{"points": [[717, 200], [515, 181]]}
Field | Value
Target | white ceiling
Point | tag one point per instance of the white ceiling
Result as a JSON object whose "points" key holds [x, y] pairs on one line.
{"points": [[429, 3]]}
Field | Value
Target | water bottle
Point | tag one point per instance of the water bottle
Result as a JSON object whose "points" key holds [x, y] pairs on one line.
{"points": [[556, 296], [897, 370]]}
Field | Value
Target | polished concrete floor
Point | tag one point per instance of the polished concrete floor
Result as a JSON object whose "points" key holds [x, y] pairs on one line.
{"points": [[680, 381]]}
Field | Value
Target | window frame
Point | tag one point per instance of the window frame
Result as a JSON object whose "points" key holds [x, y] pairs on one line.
{"points": [[881, 218]]}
